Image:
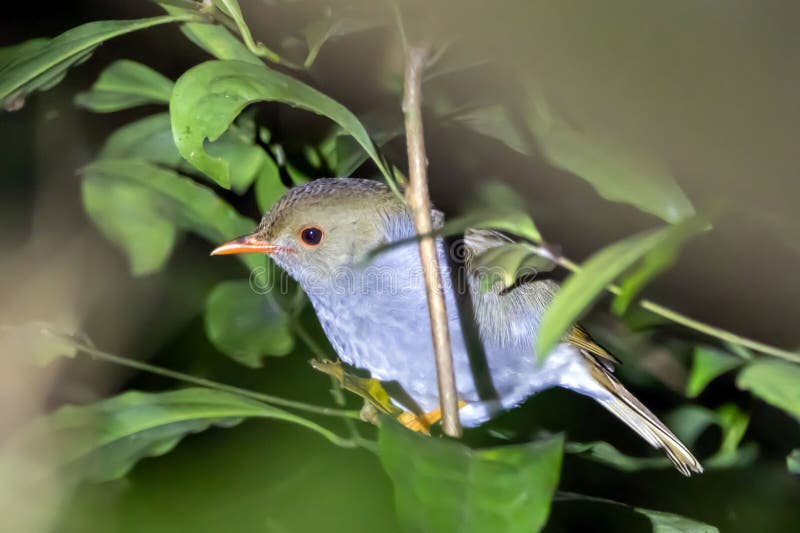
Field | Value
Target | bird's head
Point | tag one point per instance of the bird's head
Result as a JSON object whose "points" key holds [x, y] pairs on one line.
{"points": [[323, 226]]}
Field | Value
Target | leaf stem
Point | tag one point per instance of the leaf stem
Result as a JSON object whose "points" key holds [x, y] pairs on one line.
{"points": [[180, 376], [418, 200]]}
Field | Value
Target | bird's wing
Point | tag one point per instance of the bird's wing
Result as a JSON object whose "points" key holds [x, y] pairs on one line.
{"points": [[533, 295]]}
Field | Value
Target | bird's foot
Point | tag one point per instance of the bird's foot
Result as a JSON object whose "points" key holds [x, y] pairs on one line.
{"points": [[422, 423]]}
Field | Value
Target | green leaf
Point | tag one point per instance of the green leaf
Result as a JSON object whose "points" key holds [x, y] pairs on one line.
{"points": [[208, 97], [141, 207], [605, 453], [691, 421], [444, 486], [244, 159], [793, 461], [246, 324], [616, 171], [502, 266], [215, 39], [43, 65], [125, 84], [662, 522], [269, 186], [707, 364], [149, 138], [103, 441], [655, 262], [775, 382], [582, 287], [672, 523]]}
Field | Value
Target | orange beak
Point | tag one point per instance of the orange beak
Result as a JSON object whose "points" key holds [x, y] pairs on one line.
{"points": [[248, 244]]}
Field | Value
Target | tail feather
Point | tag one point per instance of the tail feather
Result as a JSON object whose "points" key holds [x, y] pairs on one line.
{"points": [[639, 418]]}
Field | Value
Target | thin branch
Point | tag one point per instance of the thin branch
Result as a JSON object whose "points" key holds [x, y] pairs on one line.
{"points": [[180, 376], [418, 200]]}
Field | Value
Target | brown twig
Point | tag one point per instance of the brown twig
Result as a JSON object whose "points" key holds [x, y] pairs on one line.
{"points": [[418, 200]]}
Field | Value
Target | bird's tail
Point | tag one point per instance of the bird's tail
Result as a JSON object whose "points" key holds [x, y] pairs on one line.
{"points": [[640, 419], [631, 411]]}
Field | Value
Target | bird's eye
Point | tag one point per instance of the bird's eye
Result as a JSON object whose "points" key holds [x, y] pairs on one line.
{"points": [[311, 235]]}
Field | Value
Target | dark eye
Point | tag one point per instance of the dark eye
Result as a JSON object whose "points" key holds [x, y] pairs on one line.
{"points": [[311, 235]]}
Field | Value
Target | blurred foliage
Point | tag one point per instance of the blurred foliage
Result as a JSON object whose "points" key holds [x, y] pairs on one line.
{"points": [[161, 175]]}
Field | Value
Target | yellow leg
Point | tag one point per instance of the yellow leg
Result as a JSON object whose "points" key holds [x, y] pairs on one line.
{"points": [[422, 423]]}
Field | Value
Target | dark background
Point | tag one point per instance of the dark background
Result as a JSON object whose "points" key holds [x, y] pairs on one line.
{"points": [[708, 88]]}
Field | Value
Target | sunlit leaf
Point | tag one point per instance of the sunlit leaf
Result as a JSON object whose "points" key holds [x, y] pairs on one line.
{"points": [[582, 287], [232, 9], [662, 522], [125, 84], [444, 486], [141, 207], [214, 39], [707, 364], [246, 324], [655, 262], [208, 97], [103, 441], [793, 461], [775, 382], [244, 159], [43, 65]]}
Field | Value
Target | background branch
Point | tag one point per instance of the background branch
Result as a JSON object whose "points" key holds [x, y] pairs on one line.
{"points": [[418, 199]]}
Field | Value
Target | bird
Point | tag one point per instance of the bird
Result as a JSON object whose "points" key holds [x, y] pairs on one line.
{"points": [[351, 245]]}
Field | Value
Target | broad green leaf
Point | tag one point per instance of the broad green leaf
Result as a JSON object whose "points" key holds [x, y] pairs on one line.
{"points": [[444, 486], [214, 39], [246, 324], [141, 207], [9, 53], [244, 159], [662, 522], [582, 287], [269, 186], [655, 262], [149, 138], [793, 461], [775, 382], [707, 364], [103, 441], [616, 171], [129, 214], [125, 84], [208, 97], [43, 65]]}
